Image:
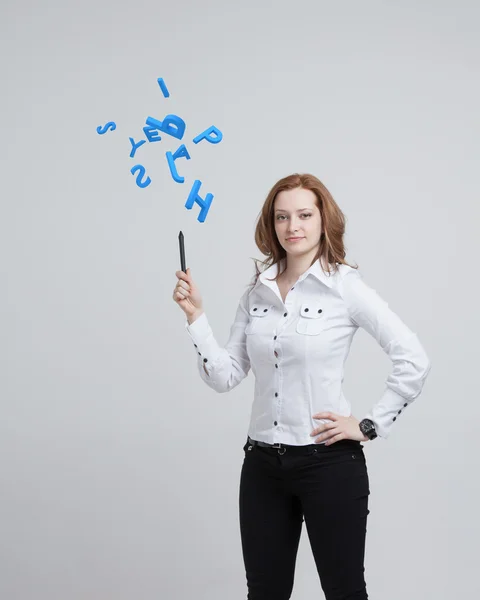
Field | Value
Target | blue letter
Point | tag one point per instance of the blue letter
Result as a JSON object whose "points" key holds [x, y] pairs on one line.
{"points": [[207, 135], [151, 132], [140, 168], [182, 152], [135, 146], [110, 125], [194, 197], [163, 87], [172, 125]]}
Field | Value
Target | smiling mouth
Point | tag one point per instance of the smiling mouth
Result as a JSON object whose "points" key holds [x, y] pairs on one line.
{"points": [[294, 239]]}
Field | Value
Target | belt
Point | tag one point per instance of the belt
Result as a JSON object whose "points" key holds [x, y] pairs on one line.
{"points": [[283, 447], [341, 443], [265, 445]]}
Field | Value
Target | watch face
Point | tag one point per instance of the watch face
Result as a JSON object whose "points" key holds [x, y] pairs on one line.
{"points": [[367, 427]]}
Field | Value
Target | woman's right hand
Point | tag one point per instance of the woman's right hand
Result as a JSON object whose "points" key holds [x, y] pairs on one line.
{"points": [[187, 295]]}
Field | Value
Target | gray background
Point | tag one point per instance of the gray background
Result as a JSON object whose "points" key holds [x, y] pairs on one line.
{"points": [[119, 468]]}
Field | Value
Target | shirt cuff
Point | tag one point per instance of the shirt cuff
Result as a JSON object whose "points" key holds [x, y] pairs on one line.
{"points": [[203, 339], [386, 412], [199, 328]]}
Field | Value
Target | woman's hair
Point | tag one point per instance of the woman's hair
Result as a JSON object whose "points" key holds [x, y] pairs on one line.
{"points": [[330, 248]]}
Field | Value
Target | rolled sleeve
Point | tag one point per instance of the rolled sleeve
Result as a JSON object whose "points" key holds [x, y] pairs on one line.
{"points": [[410, 361]]}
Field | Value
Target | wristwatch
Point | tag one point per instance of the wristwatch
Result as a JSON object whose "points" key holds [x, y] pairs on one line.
{"points": [[367, 427]]}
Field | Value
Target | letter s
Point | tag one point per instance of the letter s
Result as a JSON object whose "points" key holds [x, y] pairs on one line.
{"points": [[110, 125], [140, 168]]}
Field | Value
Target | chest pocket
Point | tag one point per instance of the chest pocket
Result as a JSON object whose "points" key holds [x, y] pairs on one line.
{"points": [[312, 318], [259, 321]]}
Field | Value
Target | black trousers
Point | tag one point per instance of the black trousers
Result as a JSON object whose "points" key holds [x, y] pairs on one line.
{"points": [[325, 486]]}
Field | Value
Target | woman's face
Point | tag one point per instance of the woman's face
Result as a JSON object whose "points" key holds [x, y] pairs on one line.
{"points": [[296, 215]]}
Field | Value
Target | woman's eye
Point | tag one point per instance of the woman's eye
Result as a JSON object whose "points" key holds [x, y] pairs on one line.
{"points": [[303, 215]]}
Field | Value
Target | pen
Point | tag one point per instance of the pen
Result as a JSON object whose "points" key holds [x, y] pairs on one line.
{"points": [[182, 252]]}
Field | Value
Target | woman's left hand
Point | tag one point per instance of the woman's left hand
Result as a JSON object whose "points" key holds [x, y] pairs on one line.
{"points": [[341, 428]]}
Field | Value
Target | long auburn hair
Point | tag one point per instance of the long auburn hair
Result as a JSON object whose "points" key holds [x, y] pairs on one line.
{"points": [[331, 247]]}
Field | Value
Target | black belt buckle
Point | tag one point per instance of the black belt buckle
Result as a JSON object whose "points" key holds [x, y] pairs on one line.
{"points": [[278, 446]]}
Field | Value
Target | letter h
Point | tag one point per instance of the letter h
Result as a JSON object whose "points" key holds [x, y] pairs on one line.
{"points": [[193, 197]]}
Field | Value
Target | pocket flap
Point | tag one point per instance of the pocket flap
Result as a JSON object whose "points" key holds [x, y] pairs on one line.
{"points": [[311, 310], [259, 309]]}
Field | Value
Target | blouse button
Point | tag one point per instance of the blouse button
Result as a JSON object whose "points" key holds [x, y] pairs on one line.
{"points": [[405, 404], [307, 309], [275, 338], [394, 418], [276, 394], [255, 309], [205, 359], [199, 354], [319, 310], [275, 423], [276, 366], [195, 345], [284, 314]]}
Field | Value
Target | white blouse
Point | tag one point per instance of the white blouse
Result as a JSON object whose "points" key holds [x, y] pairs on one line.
{"points": [[297, 351]]}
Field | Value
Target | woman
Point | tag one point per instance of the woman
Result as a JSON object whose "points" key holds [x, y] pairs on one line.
{"points": [[303, 457]]}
